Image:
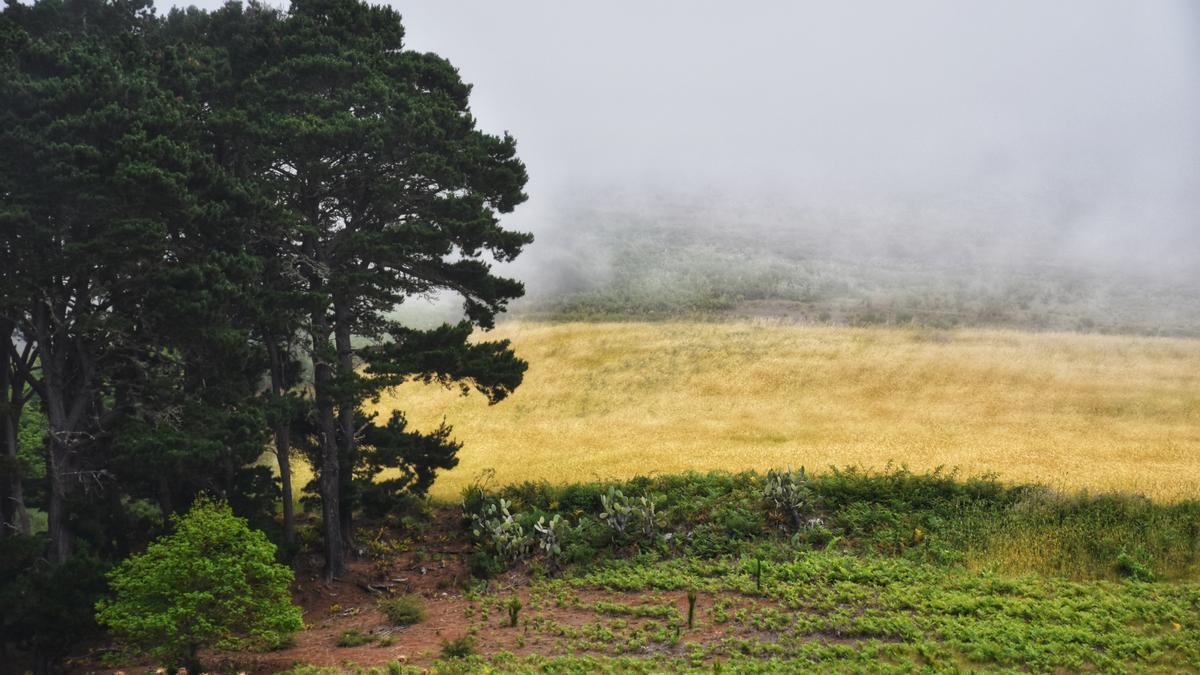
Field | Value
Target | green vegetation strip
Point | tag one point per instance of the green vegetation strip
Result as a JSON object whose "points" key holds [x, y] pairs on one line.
{"points": [[894, 611]]}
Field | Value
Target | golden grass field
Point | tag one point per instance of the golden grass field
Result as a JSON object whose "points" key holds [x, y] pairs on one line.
{"points": [[605, 400]]}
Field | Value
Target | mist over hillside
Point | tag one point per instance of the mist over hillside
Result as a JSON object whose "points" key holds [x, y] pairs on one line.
{"points": [[678, 254], [1022, 164]]}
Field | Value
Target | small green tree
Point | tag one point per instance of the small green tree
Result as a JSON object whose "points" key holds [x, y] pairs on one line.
{"points": [[214, 581]]}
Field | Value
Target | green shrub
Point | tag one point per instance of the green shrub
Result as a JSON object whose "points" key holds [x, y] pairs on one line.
{"points": [[739, 522], [709, 540], [213, 580], [514, 610], [459, 647], [47, 610], [353, 638], [580, 553], [484, 565], [1131, 568], [403, 611]]}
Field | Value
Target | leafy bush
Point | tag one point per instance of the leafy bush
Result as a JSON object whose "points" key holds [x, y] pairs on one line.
{"points": [[459, 647], [353, 638], [708, 540], [739, 522], [403, 611], [514, 610], [46, 610], [212, 581], [484, 565], [1132, 568], [580, 553]]}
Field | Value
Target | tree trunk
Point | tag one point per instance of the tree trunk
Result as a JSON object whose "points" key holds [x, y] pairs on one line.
{"points": [[283, 447], [56, 517], [283, 442], [322, 354], [331, 487], [57, 450], [347, 403], [14, 518]]}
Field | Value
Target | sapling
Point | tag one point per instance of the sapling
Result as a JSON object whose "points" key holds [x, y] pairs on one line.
{"points": [[691, 596], [514, 608]]}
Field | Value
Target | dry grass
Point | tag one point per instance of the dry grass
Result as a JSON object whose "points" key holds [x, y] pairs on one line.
{"points": [[621, 399]]}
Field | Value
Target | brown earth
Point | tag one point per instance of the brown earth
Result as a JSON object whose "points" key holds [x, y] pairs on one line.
{"points": [[435, 569]]}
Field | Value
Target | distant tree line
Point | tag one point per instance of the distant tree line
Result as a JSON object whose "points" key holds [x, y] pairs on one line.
{"points": [[205, 221]]}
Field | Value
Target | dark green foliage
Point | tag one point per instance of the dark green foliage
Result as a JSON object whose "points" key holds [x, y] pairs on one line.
{"points": [[445, 355], [484, 565], [412, 459], [45, 610], [403, 611], [353, 638], [190, 207], [394, 193], [580, 553], [459, 647], [1135, 568], [935, 517]]}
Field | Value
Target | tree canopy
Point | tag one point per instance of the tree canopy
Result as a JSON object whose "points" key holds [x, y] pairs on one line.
{"points": [[206, 222]]}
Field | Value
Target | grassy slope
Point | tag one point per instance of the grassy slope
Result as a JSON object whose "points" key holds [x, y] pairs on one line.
{"points": [[828, 613], [622, 399], [878, 586]]}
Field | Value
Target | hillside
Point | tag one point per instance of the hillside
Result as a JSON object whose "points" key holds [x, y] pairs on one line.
{"points": [[604, 400]]}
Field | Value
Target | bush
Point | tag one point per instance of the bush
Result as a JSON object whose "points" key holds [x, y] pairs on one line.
{"points": [[458, 648], [353, 638], [212, 581], [484, 565], [1130, 567], [580, 553], [46, 610], [403, 611], [739, 522]]}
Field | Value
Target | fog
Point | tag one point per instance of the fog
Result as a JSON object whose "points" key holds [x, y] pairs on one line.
{"points": [[1005, 135]]}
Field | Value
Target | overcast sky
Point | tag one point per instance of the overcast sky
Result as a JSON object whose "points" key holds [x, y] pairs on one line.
{"points": [[1076, 116]]}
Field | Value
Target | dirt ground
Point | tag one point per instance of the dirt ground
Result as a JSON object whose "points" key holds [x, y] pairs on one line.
{"points": [[435, 569]]}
